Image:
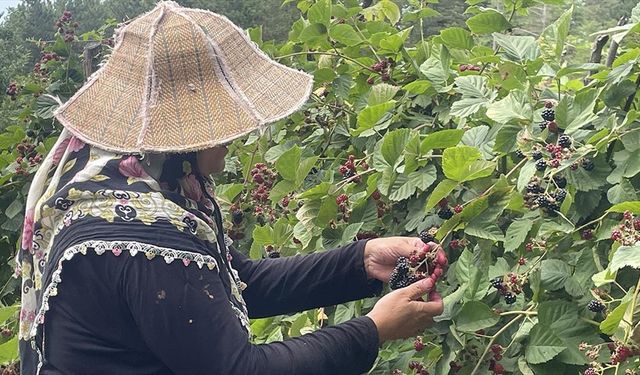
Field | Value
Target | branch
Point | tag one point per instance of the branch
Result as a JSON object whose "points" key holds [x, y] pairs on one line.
{"points": [[613, 49], [627, 105], [596, 53]]}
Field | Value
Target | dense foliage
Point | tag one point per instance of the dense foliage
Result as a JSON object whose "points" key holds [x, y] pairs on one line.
{"points": [[523, 165]]}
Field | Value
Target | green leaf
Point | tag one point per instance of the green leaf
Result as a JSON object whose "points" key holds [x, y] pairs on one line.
{"points": [[553, 38], [14, 208], [488, 231], [476, 315], [393, 145], [488, 22], [370, 116], [404, 187], [442, 190], [45, 106], [433, 70], [554, 274], [543, 345], [313, 33], [320, 12], [475, 95], [390, 10], [515, 106], [517, 233], [345, 34], [612, 322], [287, 163], [517, 48], [574, 113], [456, 37], [8, 312], [625, 256], [317, 191], [9, 350], [506, 138], [461, 164], [303, 169], [633, 207], [382, 93], [441, 139], [419, 86]]}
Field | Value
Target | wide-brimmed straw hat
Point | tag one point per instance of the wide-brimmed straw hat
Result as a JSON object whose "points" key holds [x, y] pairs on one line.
{"points": [[178, 80]]}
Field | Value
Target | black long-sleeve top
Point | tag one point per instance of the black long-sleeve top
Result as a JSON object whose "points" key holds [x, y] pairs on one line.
{"points": [[130, 315]]}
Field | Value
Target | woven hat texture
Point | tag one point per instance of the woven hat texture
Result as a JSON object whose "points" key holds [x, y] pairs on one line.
{"points": [[179, 80]]}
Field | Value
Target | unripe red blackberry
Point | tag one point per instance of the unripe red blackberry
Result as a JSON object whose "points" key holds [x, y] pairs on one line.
{"points": [[522, 261], [590, 371], [418, 345], [457, 208], [370, 81], [498, 369], [552, 126], [376, 195], [385, 77], [548, 104]]}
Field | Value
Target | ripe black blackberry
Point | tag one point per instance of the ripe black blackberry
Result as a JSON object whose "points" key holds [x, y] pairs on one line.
{"points": [[426, 236], [541, 165], [510, 298], [402, 265], [596, 306], [548, 114], [445, 213], [564, 141], [543, 125], [274, 254], [587, 164], [497, 282], [237, 217], [519, 154], [560, 195], [560, 181], [542, 201], [534, 188], [536, 155]]}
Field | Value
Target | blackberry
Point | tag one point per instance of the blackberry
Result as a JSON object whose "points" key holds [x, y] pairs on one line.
{"points": [[541, 165], [590, 371], [560, 181], [564, 141], [534, 187], [274, 254], [237, 217], [542, 201], [426, 237], [397, 280], [402, 265], [596, 306], [510, 298], [445, 213], [560, 195], [536, 155], [496, 282], [587, 164], [549, 114], [519, 154], [543, 125]]}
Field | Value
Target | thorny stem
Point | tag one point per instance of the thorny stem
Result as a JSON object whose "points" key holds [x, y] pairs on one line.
{"points": [[493, 339], [327, 54]]}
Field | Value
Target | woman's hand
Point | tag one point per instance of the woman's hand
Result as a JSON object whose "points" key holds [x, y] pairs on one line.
{"points": [[403, 313], [380, 254]]}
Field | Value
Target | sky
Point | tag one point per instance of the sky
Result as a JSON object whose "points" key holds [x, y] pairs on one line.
{"points": [[4, 4]]}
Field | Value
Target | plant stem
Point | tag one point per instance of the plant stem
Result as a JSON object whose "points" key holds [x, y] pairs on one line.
{"points": [[493, 339], [327, 54], [516, 312]]}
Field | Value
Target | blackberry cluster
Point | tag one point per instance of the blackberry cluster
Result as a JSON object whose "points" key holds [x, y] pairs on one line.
{"points": [[470, 67], [418, 367], [381, 67], [27, 157], [508, 286], [537, 197], [429, 261], [627, 233], [445, 212], [342, 201], [264, 178], [349, 168], [596, 306], [40, 67], [66, 27], [12, 90]]}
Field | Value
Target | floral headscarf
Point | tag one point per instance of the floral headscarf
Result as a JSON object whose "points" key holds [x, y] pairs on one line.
{"points": [[79, 184]]}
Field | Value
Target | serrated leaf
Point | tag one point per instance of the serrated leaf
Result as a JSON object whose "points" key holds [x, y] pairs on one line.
{"points": [[474, 316], [574, 113], [488, 22], [440, 191], [516, 234], [435, 73], [625, 256], [404, 187], [613, 319], [506, 138], [461, 164], [320, 12], [633, 207], [419, 86], [287, 163], [517, 48], [370, 115], [382, 93], [441, 139], [543, 345], [553, 37], [488, 231], [390, 10], [345, 34], [515, 106], [456, 37], [554, 274], [392, 146]]}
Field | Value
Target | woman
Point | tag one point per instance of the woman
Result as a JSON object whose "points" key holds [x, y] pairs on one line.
{"points": [[125, 266]]}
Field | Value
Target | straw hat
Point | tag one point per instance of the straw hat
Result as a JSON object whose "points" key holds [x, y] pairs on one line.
{"points": [[178, 80]]}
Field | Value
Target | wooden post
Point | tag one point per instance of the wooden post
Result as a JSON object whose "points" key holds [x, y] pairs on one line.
{"points": [[89, 53]]}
